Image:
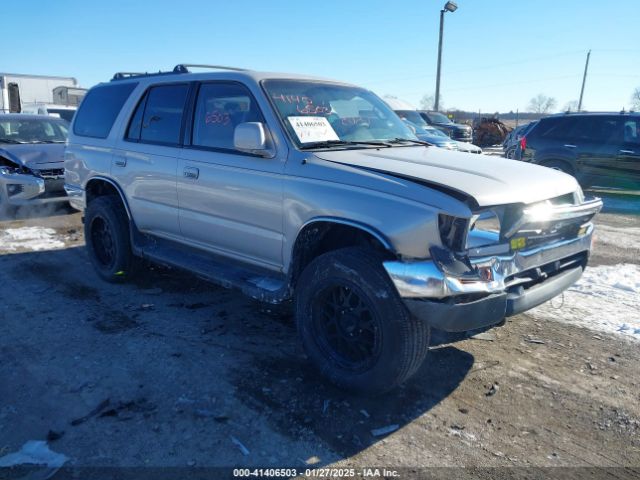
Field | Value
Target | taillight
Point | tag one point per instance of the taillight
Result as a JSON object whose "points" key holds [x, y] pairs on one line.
{"points": [[523, 143]]}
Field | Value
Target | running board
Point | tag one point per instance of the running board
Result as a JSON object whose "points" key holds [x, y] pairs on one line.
{"points": [[257, 283]]}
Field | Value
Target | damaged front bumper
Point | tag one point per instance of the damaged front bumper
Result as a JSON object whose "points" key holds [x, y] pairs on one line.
{"points": [[20, 189], [456, 294]]}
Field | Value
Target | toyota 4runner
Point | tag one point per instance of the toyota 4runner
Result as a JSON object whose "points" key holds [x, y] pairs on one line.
{"points": [[292, 187]]}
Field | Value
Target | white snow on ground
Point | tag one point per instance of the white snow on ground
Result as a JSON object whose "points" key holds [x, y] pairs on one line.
{"points": [[29, 238], [606, 299]]}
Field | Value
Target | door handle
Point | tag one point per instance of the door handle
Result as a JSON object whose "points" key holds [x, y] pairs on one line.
{"points": [[121, 161], [626, 152], [191, 172], [568, 145]]}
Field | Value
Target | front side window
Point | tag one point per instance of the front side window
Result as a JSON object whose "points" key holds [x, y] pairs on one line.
{"points": [[99, 109], [321, 113], [220, 108], [30, 130]]}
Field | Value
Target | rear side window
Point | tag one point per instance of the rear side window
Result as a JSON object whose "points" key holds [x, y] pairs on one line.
{"points": [[555, 129], [220, 108], [99, 109], [158, 116]]}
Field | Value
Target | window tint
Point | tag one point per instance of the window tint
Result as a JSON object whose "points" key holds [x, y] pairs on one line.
{"points": [[556, 128], [220, 107], [632, 131], [602, 129], [135, 125], [99, 109], [163, 114]]}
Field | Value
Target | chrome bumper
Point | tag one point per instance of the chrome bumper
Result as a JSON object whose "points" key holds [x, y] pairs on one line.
{"points": [[427, 279]]}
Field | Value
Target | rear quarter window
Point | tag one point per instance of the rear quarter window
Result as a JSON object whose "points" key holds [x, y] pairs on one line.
{"points": [[99, 109]]}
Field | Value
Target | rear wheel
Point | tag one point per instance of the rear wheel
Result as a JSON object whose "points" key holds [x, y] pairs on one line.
{"points": [[353, 324], [106, 231]]}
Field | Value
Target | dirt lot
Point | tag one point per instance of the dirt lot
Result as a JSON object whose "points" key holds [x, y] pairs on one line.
{"points": [[172, 371]]}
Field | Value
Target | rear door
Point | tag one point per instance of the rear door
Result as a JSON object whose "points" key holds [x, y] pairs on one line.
{"points": [[146, 159], [598, 140], [230, 201]]}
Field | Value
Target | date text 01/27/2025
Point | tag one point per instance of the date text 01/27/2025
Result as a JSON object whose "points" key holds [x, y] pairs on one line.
{"points": [[315, 473]]}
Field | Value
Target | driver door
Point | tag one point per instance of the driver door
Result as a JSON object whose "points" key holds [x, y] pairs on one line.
{"points": [[230, 202]]}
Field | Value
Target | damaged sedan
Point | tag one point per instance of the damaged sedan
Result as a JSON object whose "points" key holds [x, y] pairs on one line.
{"points": [[31, 160]]}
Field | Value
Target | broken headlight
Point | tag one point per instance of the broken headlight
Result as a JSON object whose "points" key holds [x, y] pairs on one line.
{"points": [[453, 231]]}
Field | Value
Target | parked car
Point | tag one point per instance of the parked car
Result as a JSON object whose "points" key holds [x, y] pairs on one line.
{"points": [[31, 160], [511, 142], [460, 146], [419, 127], [431, 135], [457, 131], [599, 149], [294, 187]]}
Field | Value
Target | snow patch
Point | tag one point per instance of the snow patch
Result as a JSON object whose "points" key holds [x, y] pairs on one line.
{"points": [[605, 299], [29, 238]]}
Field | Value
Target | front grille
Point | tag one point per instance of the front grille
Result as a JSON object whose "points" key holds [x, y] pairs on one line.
{"points": [[50, 173], [534, 276]]}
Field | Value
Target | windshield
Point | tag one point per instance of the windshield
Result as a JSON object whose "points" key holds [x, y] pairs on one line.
{"points": [[31, 130], [325, 113], [436, 117]]}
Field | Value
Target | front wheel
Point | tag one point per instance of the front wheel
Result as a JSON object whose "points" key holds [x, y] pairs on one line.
{"points": [[106, 232], [354, 326]]}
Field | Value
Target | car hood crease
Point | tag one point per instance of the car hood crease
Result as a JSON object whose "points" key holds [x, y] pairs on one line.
{"points": [[488, 180]]}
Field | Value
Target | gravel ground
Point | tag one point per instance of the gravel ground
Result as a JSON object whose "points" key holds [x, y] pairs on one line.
{"points": [[172, 371]]}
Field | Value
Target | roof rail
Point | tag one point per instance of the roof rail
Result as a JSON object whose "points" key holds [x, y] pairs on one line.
{"points": [[184, 67], [180, 68], [126, 75]]}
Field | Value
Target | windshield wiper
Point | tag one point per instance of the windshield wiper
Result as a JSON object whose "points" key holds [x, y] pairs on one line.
{"points": [[410, 140], [342, 143], [9, 140]]}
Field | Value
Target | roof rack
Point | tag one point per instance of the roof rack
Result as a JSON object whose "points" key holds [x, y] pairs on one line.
{"points": [[126, 75], [180, 68], [184, 67]]}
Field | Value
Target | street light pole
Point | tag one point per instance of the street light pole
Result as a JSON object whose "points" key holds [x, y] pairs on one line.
{"points": [[448, 7], [436, 105]]}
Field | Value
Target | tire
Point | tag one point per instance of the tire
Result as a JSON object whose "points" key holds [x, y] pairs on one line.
{"points": [[559, 165], [510, 153], [106, 231], [373, 344]]}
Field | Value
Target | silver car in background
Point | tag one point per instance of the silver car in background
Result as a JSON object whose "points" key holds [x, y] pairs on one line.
{"points": [[31, 160]]}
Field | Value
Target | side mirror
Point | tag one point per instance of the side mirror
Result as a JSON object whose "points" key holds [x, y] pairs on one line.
{"points": [[251, 137]]}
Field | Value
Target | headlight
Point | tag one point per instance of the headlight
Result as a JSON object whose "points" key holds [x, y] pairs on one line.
{"points": [[453, 231]]}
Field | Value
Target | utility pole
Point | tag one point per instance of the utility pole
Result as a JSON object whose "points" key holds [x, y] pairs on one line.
{"points": [[584, 79]]}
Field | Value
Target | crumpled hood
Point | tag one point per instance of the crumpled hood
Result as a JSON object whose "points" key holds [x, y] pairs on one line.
{"points": [[36, 156], [489, 180]]}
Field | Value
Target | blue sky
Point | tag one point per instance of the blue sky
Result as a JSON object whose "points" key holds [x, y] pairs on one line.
{"points": [[497, 53]]}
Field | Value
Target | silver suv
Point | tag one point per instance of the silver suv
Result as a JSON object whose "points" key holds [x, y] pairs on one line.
{"points": [[296, 188]]}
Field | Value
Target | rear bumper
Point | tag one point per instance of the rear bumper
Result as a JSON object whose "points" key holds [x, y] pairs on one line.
{"points": [[494, 287]]}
